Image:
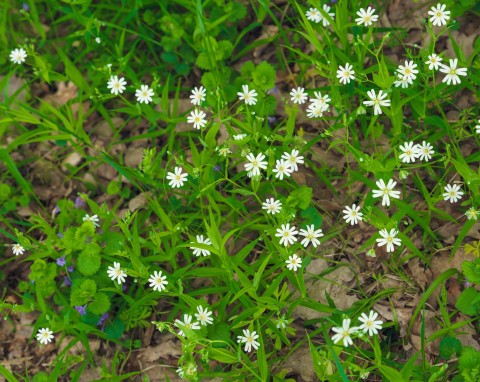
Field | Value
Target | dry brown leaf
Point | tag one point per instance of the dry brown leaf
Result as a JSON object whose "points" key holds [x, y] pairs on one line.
{"points": [[300, 362], [166, 350], [337, 284]]}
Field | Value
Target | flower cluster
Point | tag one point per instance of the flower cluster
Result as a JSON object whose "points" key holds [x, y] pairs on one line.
{"points": [[369, 324], [411, 152], [203, 315]]}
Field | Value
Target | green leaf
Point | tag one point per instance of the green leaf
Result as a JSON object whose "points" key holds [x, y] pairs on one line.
{"points": [[85, 231], [301, 197], [89, 260], [83, 293], [450, 346], [115, 329], [222, 355], [100, 304], [203, 61], [264, 76], [471, 270], [247, 69], [391, 374], [469, 302]]}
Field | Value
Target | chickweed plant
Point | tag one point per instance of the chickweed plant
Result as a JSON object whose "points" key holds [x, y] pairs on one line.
{"points": [[210, 169]]}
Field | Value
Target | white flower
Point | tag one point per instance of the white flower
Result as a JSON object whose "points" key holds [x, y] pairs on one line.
{"points": [[326, 9], [477, 128], [200, 251], [239, 137], [343, 333], [452, 193], [353, 214], [44, 336], [425, 151], [439, 15], [272, 206], [93, 219], [203, 316], [176, 178], [157, 281], [315, 110], [408, 72], [98, 40], [18, 56], [366, 17], [144, 94], [197, 117], [311, 236], [186, 324], [255, 163], [286, 234], [389, 238], [452, 72], [282, 168], [249, 339], [376, 101], [401, 81], [250, 96], [370, 323], [314, 15], [386, 191], [322, 100], [298, 95], [409, 152], [293, 158], [116, 85], [345, 74], [472, 214], [116, 273], [281, 322], [223, 151], [17, 249], [180, 372], [294, 262], [433, 61], [198, 95]]}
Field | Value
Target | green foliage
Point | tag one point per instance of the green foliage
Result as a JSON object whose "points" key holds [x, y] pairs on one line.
{"points": [[469, 302], [450, 346], [89, 259], [82, 292], [125, 152], [471, 270]]}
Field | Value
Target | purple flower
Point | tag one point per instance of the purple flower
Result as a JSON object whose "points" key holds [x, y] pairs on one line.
{"points": [[216, 168], [70, 269], [102, 319], [25, 6], [79, 202], [61, 261], [272, 119], [56, 210], [81, 309], [274, 90], [60, 235], [66, 281]]}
